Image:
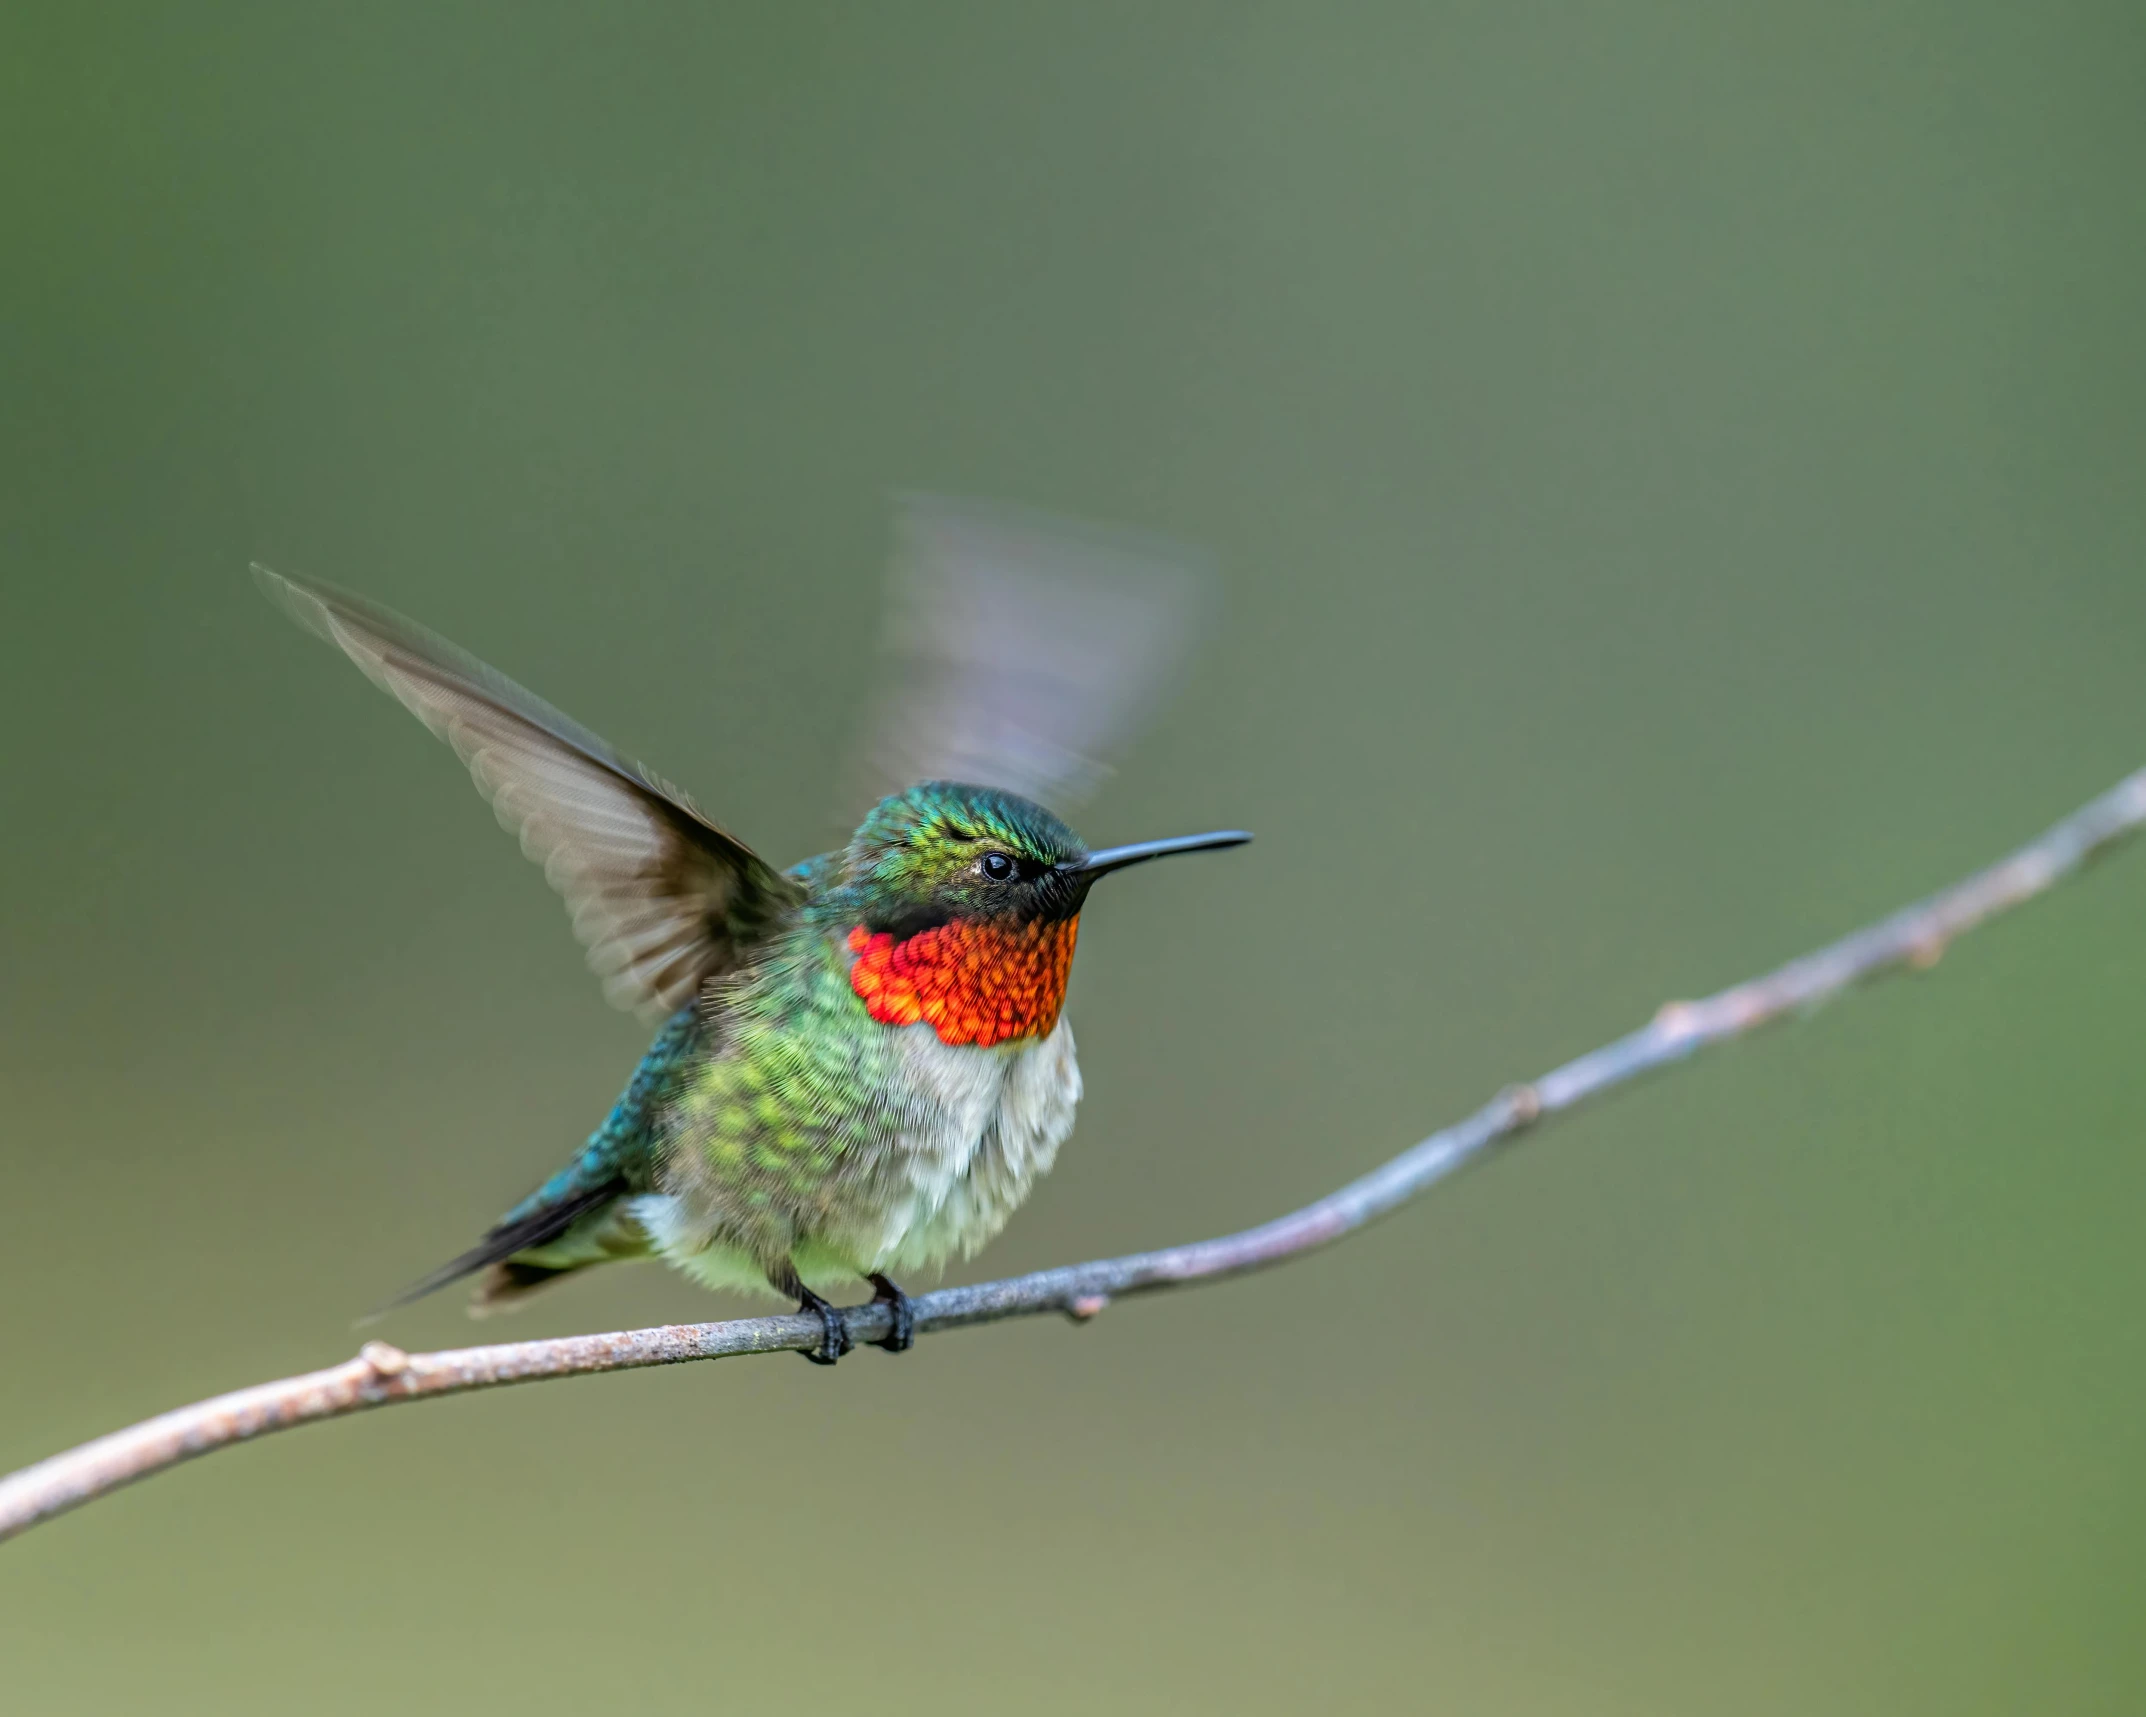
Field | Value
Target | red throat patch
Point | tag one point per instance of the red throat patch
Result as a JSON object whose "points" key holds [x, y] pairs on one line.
{"points": [[975, 983]]}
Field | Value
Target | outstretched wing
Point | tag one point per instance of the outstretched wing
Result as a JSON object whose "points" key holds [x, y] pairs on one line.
{"points": [[661, 896], [1022, 650]]}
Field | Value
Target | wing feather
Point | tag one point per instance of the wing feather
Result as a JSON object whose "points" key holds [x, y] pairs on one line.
{"points": [[662, 897], [1022, 650]]}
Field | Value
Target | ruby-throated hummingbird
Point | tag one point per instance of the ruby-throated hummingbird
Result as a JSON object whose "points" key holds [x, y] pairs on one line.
{"points": [[862, 1067]]}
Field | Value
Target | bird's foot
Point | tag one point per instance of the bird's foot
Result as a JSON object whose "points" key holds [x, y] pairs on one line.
{"points": [[903, 1334], [834, 1333]]}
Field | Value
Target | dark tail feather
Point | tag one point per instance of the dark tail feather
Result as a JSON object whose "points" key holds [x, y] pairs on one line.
{"points": [[503, 1241], [504, 1286]]}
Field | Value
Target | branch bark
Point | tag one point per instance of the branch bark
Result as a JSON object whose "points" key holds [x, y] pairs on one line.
{"points": [[382, 1376]]}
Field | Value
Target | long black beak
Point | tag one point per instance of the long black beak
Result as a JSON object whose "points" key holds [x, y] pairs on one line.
{"points": [[1117, 858]]}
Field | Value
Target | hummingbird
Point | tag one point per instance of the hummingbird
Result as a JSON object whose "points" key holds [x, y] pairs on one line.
{"points": [[862, 1065]]}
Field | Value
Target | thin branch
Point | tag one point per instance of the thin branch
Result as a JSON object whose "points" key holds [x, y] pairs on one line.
{"points": [[381, 1375]]}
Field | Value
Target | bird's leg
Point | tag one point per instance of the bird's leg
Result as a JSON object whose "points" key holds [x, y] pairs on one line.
{"points": [[834, 1334], [903, 1335]]}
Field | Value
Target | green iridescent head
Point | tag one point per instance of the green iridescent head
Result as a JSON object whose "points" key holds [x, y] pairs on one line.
{"points": [[944, 851]]}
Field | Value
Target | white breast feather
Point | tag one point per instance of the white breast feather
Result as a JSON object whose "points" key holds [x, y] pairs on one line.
{"points": [[983, 1125], [988, 1124]]}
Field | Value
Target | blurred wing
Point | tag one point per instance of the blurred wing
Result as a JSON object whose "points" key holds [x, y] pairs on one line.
{"points": [[661, 896], [1021, 650]]}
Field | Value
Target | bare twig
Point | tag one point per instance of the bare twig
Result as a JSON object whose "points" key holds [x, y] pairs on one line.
{"points": [[381, 1375]]}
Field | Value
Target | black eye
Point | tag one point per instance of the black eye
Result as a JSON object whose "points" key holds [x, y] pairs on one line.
{"points": [[997, 866]]}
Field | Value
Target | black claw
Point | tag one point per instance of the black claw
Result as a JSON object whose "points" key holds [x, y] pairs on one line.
{"points": [[834, 1336], [903, 1335]]}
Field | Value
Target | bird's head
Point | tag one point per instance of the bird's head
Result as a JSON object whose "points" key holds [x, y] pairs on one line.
{"points": [[944, 852], [961, 905]]}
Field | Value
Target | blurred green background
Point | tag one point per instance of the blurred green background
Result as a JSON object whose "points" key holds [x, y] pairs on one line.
{"points": [[1678, 476]]}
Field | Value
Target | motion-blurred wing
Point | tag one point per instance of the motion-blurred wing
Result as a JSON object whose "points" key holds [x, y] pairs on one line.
{"points": [[661, 896], [1021, 650]]}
